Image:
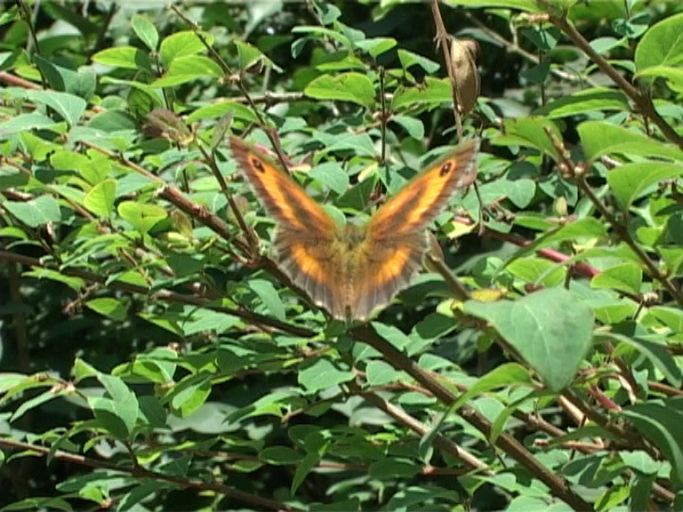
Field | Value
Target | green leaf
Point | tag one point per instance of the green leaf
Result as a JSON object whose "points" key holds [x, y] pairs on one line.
{"points": [[634, 180], [434, 92], [142, 216], [269, 296], [655, 352], [671, 317], [190, 394], [188, 68], [412, 125], [145, 30], [322, 374], [581, 102], [100, 199], [68, 106], [601, 138], [280, 455], [122, 57], [181, 44], [75, 283], [551, 329], [662, 45], [35, 212], [380, 373], [625, 277], [522, 5], [409, 59], [331, 175], [353, 87], [376, 46], [530, 132], [25, 122], [109, 307], [664, 427], [248, 55]]}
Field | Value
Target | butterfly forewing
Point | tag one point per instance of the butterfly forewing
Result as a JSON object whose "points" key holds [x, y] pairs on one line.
{"points": [[421, 200]]}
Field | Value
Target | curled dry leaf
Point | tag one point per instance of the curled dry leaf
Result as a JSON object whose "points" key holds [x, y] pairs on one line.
{"points": [[463, 63]]}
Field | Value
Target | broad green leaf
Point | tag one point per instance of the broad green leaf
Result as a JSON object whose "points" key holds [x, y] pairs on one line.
{"points": [[188, 68], [530, 132], [662, 45], [122, 57], [100, 199], [75, 283], [190, 394], [625, 277], [671, 317], [35, 212], [109, 307], [551, 329], [655, 352], [522, 5], [145, 30], [581, 102], [633, 180], [279, 455], [24, 122], [409, 59], [248, 55], [663, 426], [376, 46], [331, 175], [601, 138], [68, 106], [673, 75], [380, 373], [432, 93], [322, 374], [269, 296], [181, 44], [142, 216], [353, 87], [532, 269], [412, 125]]}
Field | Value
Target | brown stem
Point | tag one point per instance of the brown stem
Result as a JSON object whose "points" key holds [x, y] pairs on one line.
{"points": [[558, 485], [442, 40]]}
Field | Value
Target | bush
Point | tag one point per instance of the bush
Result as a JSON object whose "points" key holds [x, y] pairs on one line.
{"points": [[159, 353]]}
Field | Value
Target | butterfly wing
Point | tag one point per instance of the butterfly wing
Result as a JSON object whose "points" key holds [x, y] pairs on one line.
{"points": [[305, 235], [396, 238]]}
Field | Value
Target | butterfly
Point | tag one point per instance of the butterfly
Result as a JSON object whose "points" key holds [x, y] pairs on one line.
{"points": [[350, 271]]}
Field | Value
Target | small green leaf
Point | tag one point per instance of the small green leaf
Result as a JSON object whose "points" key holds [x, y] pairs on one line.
{"points": [[100, 199], [581, 102], [376, 46], [351, 86], [145, 30], [109, 307], [657, 353], [122, 57], [409, 59], [601, 138], [269, 296], [551, 329], [181, 44], [380, 373], [35, 212], [331, 175], [142, 216], [522, 5], [633, 180], [433, 92], [68, 106], [322, 374], [625, 277], [412, 125], [530, 132], [662, 44]]}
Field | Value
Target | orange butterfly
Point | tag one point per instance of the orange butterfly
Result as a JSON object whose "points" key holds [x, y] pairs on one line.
{"points": [[353, 270]]}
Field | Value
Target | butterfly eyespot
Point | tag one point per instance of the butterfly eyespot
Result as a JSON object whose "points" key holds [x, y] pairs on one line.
{"points": [[445, 169], [258, 165]]}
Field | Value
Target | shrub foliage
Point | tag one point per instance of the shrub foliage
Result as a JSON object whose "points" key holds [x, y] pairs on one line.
{"points": [[154, 356]]}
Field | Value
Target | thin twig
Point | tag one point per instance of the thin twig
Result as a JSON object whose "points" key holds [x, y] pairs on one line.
{"points": [[140, 472]]}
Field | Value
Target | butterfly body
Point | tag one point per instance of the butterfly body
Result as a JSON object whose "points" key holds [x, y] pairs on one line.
{"points": [[352, 270]]}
